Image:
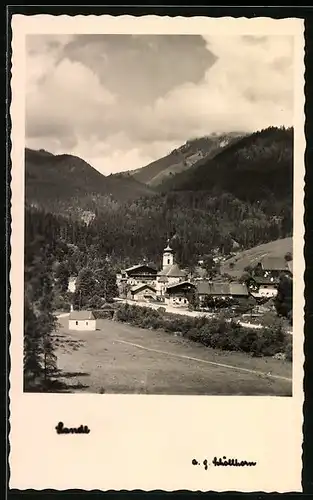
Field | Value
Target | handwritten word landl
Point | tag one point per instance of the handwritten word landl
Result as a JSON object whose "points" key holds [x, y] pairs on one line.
{"points": [[82, 429], [232, 462]]}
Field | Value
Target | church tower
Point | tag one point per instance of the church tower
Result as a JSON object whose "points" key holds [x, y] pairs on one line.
{"points": [[168, 257]]}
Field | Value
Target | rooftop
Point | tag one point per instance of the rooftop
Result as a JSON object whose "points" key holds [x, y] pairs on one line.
{"points": [[238, 289], [173, 272], [81, 315], [212, 288], [261, 280], [215, 288], [136, 288], [140, 266], [185, 284], [274, 264]]}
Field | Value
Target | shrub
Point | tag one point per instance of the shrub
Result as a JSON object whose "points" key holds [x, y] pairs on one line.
{"points": [[288, 349], [212, 332]]}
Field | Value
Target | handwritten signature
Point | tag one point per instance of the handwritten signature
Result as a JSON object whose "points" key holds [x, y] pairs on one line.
{"points": [[224, 462]]}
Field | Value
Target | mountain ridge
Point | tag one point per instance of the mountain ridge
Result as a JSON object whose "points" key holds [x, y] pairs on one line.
{"points": [[259, 165], [60, 179], [183, 158]]}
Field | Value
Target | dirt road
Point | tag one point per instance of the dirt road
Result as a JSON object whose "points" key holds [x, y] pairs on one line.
{"points": [[118, 358]]}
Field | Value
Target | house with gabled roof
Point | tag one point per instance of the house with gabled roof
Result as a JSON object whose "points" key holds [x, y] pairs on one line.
{"points": [[221, 290], [136, 275], [147, 274], [275, 266], [82, 320], [263, 286], [177, 293], [142, 292]]}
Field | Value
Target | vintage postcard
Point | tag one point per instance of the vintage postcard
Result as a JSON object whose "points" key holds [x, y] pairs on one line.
{"points": [[157, 253]]}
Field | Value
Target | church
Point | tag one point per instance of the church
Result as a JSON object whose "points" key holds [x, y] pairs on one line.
{"points": [[136, 281]]}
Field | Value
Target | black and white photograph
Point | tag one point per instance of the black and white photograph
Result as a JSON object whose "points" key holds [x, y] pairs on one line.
{"points": [[159, 214], [157, 253]]}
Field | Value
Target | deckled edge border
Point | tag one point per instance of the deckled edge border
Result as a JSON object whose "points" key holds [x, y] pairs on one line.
{"points": [[308, 340]]}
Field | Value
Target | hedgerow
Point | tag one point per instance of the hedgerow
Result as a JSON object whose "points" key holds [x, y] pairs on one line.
{"points": [[217, 333]]}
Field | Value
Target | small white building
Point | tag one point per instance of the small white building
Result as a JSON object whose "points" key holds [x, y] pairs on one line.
{"points": [[72, 284], [82, 320]]}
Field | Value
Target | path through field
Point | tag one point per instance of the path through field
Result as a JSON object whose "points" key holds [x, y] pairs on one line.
{"points": [[118, 358]]}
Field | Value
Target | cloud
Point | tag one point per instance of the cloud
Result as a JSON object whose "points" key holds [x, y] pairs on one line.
{"points": [[121, 102], [249, 87]]}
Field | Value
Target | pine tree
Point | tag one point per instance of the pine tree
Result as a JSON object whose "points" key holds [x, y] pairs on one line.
{"points": [[32, 347], [62, 276], [39, 321], [283, 300], [85, 288]]}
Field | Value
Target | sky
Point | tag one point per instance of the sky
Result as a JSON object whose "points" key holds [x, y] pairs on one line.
{"points": [[122, 101]]}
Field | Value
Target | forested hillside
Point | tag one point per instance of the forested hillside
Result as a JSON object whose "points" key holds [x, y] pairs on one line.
{"points": [[258, 167], [243, 194], [63, 182], [196, 223], [183, 158]]}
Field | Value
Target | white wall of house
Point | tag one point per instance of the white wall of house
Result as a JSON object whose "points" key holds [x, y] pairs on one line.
{"points": [[267, 291], [143, 295], [160, 287], [173, 279], [79, 324], [202, 297], [177, 301]]}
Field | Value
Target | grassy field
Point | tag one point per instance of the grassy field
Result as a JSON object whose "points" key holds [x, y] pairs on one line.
{"points": [[252, 256], [118, 358]]}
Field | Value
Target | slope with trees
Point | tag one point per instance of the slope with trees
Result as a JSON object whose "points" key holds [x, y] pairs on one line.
{"points": [[183, 158], [257, 168], [64, 183]]}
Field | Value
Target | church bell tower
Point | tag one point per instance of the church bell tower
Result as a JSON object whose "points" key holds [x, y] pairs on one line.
{"points": [[168, 257]]}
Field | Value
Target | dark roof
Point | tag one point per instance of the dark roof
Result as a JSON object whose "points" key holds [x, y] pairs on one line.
{"points": [[212, 288], [274, 264], [136, 288], [186, 285], [81, 315], [140, 268], [168, 249], [216, 288], [260, 280], [172, 271]]}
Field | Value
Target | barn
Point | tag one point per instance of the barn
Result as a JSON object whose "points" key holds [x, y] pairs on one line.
{"points": [[82, 320], [142, 292], [177, 294]]}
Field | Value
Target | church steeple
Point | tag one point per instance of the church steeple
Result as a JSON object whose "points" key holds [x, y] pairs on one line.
{"points": [[168, 257]]}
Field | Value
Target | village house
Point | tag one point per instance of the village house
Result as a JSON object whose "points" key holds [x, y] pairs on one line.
{"points": [[82, 320], [177, 293], [136, 275], [128, 279], [260, 286], [223, 291], [142, 292], [274, 267]]}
